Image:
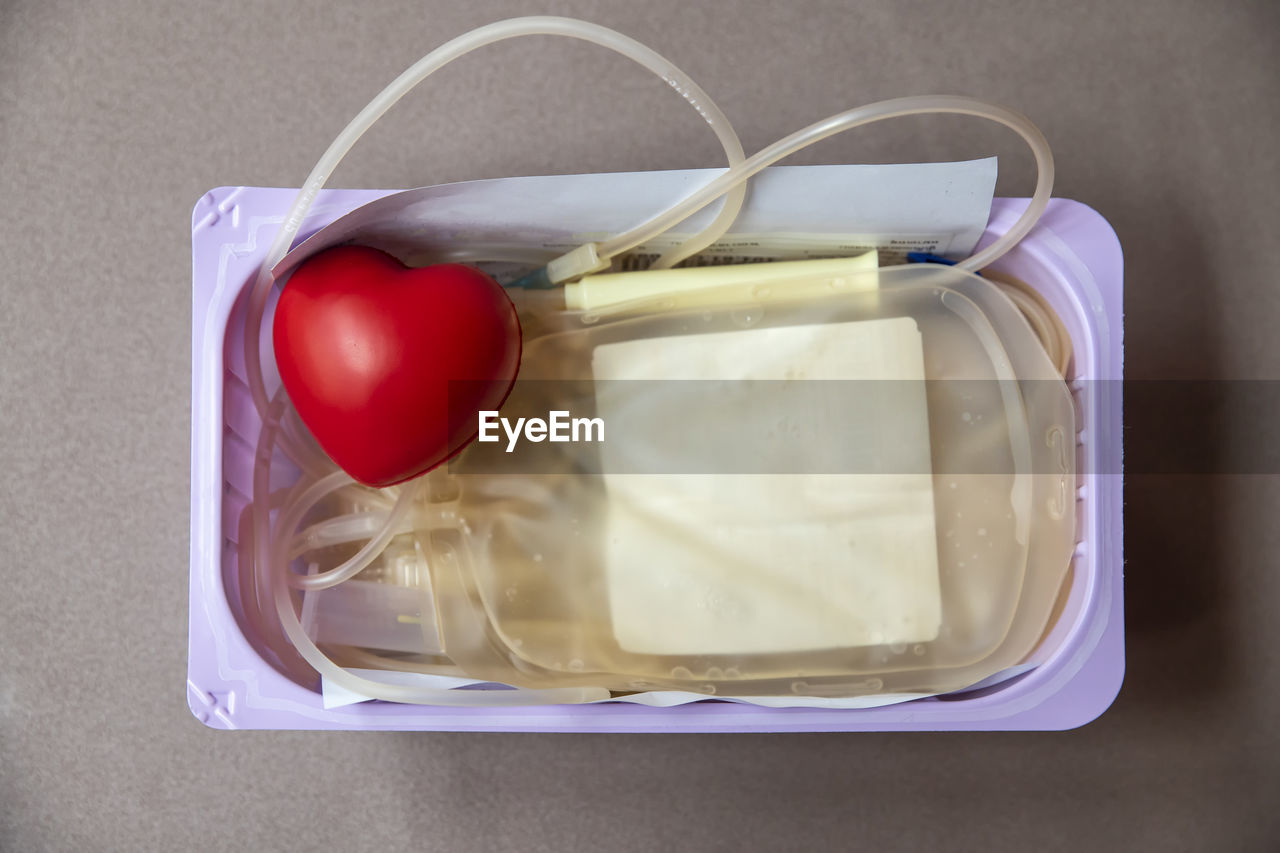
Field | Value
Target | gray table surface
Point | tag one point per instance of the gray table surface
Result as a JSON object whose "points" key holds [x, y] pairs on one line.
{"points": [[116, 116]]}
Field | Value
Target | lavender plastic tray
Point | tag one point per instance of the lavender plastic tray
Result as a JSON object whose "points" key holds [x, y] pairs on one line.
{"points": [[1072, 257]]}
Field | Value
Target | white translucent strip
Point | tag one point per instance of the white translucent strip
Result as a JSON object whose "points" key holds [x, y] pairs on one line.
{"points": [[335, 696], [438, 58]]}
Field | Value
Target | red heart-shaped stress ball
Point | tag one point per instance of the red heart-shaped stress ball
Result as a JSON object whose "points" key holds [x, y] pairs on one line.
{"points": [[388, 366]]}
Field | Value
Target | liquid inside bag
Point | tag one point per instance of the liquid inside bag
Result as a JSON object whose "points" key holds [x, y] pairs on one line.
{"points": [[864, 490]]}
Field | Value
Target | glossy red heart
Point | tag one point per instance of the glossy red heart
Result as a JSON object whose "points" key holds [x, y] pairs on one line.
{"points": [[388, 366]]}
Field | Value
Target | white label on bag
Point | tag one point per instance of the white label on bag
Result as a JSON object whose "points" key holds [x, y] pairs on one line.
{"points": [[707, 564], [761, 248]]}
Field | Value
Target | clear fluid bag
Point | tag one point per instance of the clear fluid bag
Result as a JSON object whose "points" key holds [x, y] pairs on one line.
{"points": [[864, 490]]}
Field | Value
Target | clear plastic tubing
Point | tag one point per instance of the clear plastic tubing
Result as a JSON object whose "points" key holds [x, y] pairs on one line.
{"points": [[417, 695], [271, 552], [276, 556], [271, 410], [869, 114], [464, 44], [297, 506], [291, 516], [271, 546]]}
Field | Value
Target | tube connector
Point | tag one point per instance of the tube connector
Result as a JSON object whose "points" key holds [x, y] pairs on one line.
{"points": [[583, 260], [570, 266]]}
